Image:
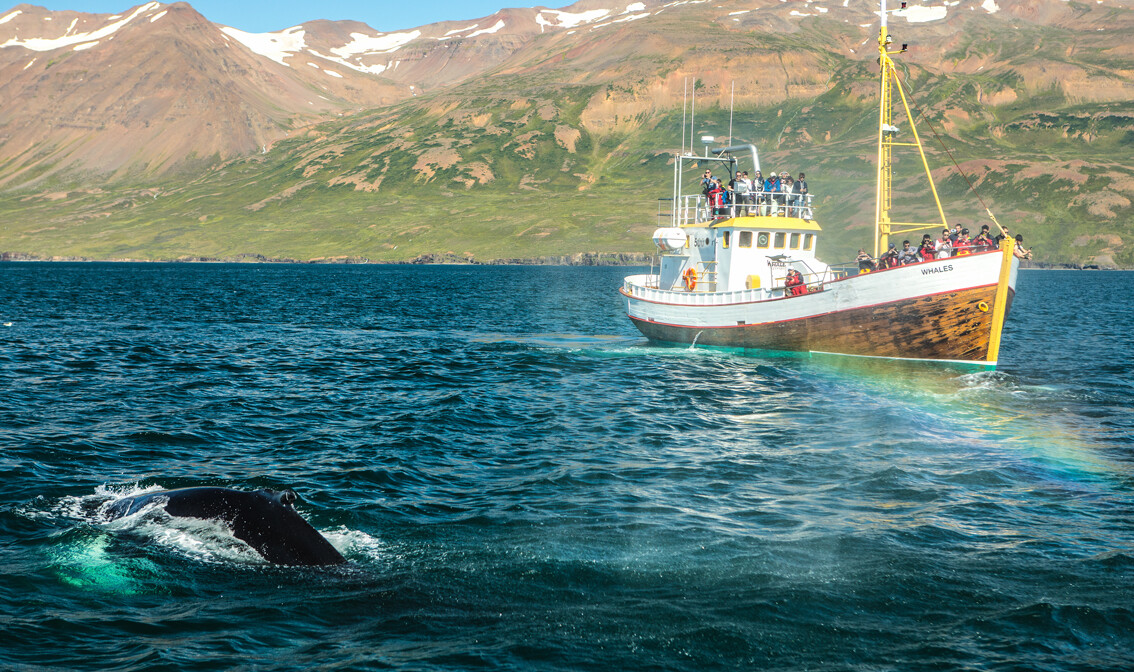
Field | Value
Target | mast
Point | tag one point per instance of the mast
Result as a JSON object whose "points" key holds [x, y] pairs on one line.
{"points": [[884, 227]]}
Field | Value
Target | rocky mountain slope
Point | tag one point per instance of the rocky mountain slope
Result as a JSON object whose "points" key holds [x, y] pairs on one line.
{"points": [[534, 132]]}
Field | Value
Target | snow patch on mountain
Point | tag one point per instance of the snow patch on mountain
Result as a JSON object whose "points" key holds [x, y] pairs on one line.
{"points": [[276, 46], [488, 31], [461, 30], [554, 18], [48, 44], [383, 43], [923, 14], [368, 69]]}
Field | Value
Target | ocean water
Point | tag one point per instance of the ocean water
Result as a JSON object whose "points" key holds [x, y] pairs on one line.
{"points": [[519, 481]]}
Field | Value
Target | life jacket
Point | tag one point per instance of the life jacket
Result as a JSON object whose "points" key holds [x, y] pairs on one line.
{"points": [[715, 196]]}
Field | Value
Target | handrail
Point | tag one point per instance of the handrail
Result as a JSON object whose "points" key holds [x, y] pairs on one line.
{"points": [[751, 148], [694, 208]]}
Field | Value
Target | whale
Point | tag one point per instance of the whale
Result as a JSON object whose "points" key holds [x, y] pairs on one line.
{"points": [[266, 520]]}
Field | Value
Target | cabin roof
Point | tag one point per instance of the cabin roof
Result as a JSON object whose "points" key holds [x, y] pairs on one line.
{"points": [[767, 223]]}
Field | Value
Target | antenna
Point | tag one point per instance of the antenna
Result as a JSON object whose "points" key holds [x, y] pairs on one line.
{"points": [[692, 115], [731, 100], [684, 104]]}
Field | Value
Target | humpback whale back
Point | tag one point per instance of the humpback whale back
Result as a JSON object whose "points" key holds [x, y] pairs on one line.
{"points": [[263, 519]]}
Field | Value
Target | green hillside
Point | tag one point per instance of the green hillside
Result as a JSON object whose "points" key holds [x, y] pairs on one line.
{"points": [[516, 166]]}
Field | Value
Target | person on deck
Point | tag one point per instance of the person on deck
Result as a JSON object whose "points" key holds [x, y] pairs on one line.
{"points": [[757, 195], [907, 255], [983, 241], [788, 186], [889, 258], [771, 193], [741, 186], [1001, 236], [716, 198], [943, 246], [707, 182], [927, 250], [800, 191], [793, 283], [1019, 251], [865, 261], [963, 244]]}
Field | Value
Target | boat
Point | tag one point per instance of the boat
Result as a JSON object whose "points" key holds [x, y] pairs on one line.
{"points": [[746, 276]]}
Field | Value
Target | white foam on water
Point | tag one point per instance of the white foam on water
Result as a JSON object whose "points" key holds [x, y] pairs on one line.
{"points": [[353, 543]]}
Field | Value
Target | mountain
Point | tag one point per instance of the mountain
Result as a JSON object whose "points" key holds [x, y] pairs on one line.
{"points": [[536, 132]]}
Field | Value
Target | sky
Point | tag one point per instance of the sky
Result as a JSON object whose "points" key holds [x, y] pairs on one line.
{"points": [[256, 16]]}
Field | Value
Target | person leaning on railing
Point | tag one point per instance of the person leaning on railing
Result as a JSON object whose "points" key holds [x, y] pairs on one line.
{"points": [[1019, 249], [771, 191], [740, 186], [788, 186], [865, 261], [926, 250], [798, 194], [907, 255], [756, 197], [983, 241], [944, 245]]}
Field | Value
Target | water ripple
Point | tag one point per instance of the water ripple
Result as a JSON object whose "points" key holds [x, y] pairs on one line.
{"points": [[520, 481]]}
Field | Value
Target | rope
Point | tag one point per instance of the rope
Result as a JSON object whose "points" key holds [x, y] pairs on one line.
{"points": [[941, 142]]}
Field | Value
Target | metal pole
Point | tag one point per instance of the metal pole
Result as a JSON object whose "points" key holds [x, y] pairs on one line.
{"points": [[684, 105], [731, 100], [693, 116]]}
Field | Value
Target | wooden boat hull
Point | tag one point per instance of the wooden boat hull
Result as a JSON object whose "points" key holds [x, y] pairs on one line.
{"points": [[914, 312]]}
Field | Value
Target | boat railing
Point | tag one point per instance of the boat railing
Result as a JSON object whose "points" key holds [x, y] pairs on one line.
{"points": [[696, 208], [646, 287]]}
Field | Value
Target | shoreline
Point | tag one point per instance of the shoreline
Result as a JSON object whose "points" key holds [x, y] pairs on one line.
{"points": [[577, 259]]}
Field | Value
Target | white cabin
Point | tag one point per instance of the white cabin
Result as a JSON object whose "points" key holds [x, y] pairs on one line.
{"points": [[740, 253]]}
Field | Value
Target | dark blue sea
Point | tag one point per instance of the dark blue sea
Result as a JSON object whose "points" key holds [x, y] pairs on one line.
{"points": [[521, 482]]}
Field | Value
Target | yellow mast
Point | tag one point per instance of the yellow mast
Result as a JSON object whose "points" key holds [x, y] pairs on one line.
{"points": [[884, 227]]}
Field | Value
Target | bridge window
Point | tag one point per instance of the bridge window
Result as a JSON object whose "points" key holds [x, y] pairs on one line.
{"points": [[779, 240], [795, 241], [808, 240], [762, 240], [745, 239], [726, 237]]}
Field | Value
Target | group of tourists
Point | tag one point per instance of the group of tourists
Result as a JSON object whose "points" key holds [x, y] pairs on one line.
{"points": [[776, 195], [952, 243]]}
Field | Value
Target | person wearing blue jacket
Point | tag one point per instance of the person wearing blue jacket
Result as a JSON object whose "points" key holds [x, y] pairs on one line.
{"points": [[772, 193]]}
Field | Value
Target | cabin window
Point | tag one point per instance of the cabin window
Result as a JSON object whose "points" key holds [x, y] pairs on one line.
{"points": [[795, 241], [745, 239], [726, 237], [808, 240], [779, 240], [762, 240]]}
